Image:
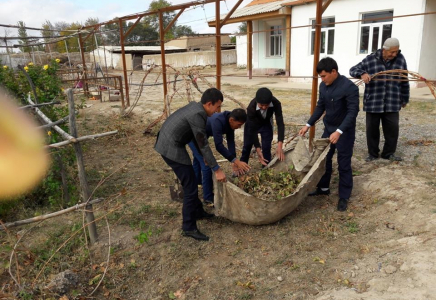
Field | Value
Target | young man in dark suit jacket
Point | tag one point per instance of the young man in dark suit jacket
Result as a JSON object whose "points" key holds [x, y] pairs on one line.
{"points": [[260, 112], [218, 125], [339, 99], [183, 126]]}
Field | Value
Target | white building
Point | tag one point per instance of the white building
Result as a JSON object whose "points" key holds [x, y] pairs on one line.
{"points": [[348, 43]]}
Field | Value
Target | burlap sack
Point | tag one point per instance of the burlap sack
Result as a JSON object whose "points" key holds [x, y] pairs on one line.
{"points": [[236, 205]]}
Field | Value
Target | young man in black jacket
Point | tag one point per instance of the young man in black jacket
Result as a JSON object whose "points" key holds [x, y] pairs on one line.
{"points": [[260, 112], [339, 99], [183, 126]]}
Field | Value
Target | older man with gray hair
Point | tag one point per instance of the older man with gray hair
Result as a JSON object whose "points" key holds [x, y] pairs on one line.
{"points": [[383, 98]]}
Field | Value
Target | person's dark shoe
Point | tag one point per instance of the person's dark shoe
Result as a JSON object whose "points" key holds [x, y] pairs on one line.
{"points": [[319, 192], [392, 157], [208, 202], [204, 215], [342, 204], [370, 158], [196, 234]]}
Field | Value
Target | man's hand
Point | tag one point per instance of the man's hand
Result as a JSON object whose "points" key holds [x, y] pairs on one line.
{"points": [[241, 165], [236, 171], [403, 105], [262, 160], [220, 175], [279, 151], [303, 130], [366, 78], [334, 137]]}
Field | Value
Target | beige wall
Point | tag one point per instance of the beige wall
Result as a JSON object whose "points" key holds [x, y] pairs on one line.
{"points": [[203, 43], [113, 60], [191, 59]]}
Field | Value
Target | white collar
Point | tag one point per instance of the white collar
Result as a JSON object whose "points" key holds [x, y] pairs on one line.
{"points": [[270, 105]]}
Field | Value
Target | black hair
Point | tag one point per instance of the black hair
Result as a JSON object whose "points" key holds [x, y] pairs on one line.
{"points": [[212, 95], [239, 115], [327, 64]]}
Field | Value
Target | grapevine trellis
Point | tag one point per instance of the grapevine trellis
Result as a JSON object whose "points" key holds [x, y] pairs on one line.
{"points": [[189, 80]]}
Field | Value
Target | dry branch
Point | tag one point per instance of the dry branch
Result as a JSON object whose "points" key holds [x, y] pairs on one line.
{"points": [[82, 138], [403, 75], [48, 121], [40, 104], [193, 75], [61, 121], [48, 216]]}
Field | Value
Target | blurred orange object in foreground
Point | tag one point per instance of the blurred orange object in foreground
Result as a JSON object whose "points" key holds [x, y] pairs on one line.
{"points": [[23, 160]]}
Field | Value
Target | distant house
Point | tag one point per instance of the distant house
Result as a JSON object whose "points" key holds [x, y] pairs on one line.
{"points": [[275, 49], [110, 56], [201, 42], [146, 56]]}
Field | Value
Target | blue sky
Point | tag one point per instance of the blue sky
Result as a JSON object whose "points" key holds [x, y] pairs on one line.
{"points": [[35, 12]]}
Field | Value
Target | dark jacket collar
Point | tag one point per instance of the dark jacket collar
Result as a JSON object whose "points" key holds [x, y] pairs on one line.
{"points": [[334, 83]]}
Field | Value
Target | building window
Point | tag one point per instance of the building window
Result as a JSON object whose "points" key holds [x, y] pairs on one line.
{"points": [[373, 33], [275, 41], [327, 36]]}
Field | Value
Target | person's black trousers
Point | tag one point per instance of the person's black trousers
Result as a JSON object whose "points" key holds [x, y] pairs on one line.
{"points": [[390, 123], [192, 206], [250, 133], [344, 146]]}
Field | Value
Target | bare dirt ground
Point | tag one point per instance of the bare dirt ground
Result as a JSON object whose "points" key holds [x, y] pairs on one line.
{"points": [[383, 247]]}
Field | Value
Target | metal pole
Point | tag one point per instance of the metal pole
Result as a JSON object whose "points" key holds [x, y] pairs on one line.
{"points": [[96, 48], [33, 55], [162, 55], [68, 54], [218, 44], [49, 51], [123, 55], [39, 56], [315, 62], [85, 76], [104, 51], [9, 56]]}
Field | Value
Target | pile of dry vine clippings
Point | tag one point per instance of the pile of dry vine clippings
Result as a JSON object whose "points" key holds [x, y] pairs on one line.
{"points": [[268, 184]]}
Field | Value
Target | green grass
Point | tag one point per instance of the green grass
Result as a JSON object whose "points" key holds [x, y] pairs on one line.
{"points": [[352, 227]]}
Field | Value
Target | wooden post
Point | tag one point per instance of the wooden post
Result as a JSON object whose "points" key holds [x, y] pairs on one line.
{"points": [[315, 63], [167, 106], [250, 49], [288, 45], [218, 44], [162, 56], [89, 214]]}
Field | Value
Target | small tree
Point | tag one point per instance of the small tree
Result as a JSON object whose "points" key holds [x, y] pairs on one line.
{"points": [[48, 34], [22, 34], [182, 30], [242, 28]]}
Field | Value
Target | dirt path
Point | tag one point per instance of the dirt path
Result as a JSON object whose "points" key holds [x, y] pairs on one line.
{"points": [[382, 248]]}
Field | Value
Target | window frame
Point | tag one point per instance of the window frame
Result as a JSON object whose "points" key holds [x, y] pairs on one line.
{"points": [[325, 29], [372, 25], [278, 27]]}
